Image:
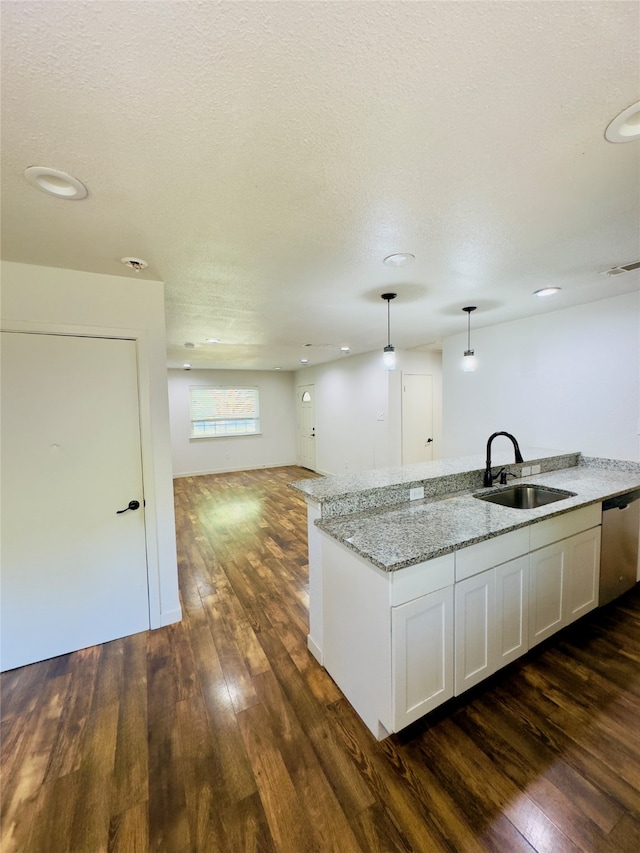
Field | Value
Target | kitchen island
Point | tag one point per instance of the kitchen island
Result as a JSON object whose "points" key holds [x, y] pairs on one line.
{"points": [[413, 601]]}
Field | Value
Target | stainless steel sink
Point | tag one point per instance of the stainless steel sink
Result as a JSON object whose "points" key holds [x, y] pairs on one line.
{"points": [[524, 496]]}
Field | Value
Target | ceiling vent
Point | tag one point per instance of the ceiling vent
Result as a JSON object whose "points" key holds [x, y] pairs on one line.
{"points": [[621, 269]]}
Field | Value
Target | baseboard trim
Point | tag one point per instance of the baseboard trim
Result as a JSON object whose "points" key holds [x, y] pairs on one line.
{"points": [[170, 617], [234, 470], [315, 649]]}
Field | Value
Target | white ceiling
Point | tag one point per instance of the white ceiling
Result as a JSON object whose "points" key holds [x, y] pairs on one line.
{"points": [[264, 157]]}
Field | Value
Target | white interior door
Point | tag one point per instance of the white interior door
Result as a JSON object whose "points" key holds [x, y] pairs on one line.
{"points": [[74, 569], [307, 426], [417, 418]]}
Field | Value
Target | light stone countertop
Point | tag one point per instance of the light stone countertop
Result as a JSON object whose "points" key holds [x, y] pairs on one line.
{"points": [[406, 534], [322, 489]]}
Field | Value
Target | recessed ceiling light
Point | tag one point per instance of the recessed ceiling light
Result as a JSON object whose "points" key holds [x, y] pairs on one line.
{"points": [[187, 366], [304, 361], [399, 259], [55, 182], [136, 264], [345, 349], [546, 291], [212, 341], [626, 126], [277, 368]]}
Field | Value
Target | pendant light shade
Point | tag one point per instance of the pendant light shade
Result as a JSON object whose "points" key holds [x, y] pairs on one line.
{"points": [[469, 359], [389, 352]]}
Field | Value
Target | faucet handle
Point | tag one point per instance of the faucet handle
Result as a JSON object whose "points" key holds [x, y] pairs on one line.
{"points": [[503, 476]]}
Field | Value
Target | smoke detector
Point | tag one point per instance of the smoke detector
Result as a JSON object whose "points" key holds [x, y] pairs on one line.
{"points": [[136, 264], [621, 269]]}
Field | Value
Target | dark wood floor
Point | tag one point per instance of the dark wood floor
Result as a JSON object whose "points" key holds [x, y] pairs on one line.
{"points": [[223, 735]]}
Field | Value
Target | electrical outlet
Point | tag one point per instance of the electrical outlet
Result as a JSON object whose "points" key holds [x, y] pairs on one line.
{"points": [[416, 494], [380, 416], [525, 471]]}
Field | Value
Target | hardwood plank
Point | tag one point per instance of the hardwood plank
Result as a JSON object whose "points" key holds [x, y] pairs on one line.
{"points": [[67, 751], [229, 757], [318, 799], [129, 831], [246, 827], [21, 786], [404, 795], [200, 772], [168, 823], [280, 801], [130, 780], [92, 813]]}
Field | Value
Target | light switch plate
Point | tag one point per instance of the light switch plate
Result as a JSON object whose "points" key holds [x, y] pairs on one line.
{"points": [[535, 469], [416, 494], [525, 471]]}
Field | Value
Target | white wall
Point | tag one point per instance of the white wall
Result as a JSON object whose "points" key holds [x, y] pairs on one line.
{"points": [[50, 299], [569, 380], [350, 394], [275, 446]]}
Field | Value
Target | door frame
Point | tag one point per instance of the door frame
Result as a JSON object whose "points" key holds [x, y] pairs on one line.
{"points": [[139, 336]]}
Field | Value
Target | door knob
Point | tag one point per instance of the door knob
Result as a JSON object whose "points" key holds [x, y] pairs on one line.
{"points": [[132, 505]]}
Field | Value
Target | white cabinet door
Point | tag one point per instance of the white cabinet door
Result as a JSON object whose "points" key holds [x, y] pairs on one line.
{"points": [[563, 583], [422, 655], [546, 584], [475, 634], [512, 610], [583, 574]]}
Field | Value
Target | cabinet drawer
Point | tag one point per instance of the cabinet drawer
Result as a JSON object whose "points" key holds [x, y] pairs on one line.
{"points": [[407, 584], [492, 552], [562, 526]]}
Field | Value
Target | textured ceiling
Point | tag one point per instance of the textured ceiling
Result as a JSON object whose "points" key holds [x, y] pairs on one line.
{"points": [[264, 157]]}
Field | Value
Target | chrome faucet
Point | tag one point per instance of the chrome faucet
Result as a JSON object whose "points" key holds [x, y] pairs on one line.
{"points": [[488, 477]]}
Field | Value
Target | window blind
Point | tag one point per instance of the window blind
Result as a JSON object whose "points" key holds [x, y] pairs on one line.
{"points": [[217, 411]]}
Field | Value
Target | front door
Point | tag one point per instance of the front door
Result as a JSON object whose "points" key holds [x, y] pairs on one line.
{"points": [[74, 569], [306, 427]]}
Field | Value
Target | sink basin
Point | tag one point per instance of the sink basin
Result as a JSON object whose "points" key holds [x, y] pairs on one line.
{"points": [[524, 496]]}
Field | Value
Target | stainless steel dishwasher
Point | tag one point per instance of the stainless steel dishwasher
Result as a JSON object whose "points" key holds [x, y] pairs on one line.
{"points": [[619, 549]]}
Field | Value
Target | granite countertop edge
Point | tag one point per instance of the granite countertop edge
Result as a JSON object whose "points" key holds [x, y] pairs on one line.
{"points": [[393, 538]]}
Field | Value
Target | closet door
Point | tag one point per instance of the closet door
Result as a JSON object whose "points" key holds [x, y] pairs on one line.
{"points": [[74, 569]]}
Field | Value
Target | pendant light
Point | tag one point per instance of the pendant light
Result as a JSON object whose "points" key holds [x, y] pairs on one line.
{"points": [[469, 360], [389, 353]]}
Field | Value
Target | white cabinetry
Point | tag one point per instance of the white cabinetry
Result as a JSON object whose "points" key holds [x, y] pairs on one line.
{"points": [[512, 610], [546, 584], [398, 644], [475, 639], [564, 575], [491, 606], [584, 574], [422, 655], [388, 636]]}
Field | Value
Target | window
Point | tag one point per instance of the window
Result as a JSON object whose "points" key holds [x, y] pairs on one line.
{"points": [[224, 411]]}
